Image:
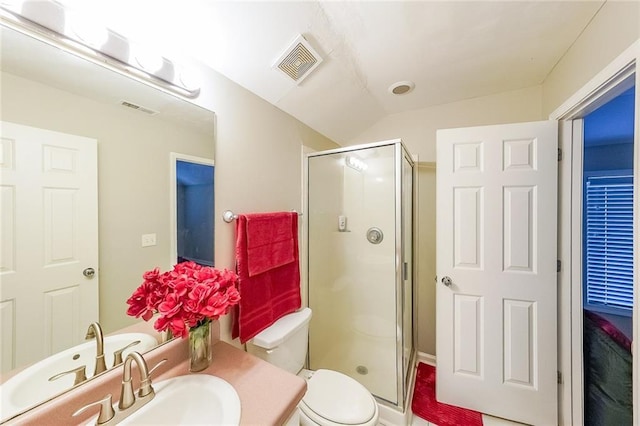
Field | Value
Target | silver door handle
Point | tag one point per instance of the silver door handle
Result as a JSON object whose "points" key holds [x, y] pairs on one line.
{"points": [[447, 281], [89, 272]]}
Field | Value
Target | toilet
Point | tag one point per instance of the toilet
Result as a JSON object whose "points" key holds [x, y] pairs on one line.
{"points": [[332, 398]]}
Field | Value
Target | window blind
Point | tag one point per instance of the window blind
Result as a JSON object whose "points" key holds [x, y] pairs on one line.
{"points": [[609, 242]]}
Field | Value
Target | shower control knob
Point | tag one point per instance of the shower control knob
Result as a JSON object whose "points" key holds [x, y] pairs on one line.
{"points": [[375, 235], [447, 281]]}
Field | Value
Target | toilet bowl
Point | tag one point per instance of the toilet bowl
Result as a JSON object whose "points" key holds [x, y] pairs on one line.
{"points": [[332, 398]]}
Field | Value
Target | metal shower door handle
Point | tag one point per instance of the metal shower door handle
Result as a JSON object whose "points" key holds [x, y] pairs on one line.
{"points": [[447, 281]]}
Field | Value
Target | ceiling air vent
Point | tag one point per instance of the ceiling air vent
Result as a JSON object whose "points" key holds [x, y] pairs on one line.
{"points": [[138, 107], [298, 60]]}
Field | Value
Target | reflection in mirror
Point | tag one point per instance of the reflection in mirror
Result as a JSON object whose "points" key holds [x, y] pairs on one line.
{"points": [[68, 368], [46, 88], [193, 207]]}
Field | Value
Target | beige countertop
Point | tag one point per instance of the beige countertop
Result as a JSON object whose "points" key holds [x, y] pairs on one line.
{"points": [[268, 395]]}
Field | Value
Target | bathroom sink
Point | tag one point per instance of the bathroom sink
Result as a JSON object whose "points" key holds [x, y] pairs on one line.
{"points": [[32, 385], [194, 399]]}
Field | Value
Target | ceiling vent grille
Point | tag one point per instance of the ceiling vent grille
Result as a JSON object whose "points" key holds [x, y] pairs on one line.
{"points": [[138, 107], [299, 60]]}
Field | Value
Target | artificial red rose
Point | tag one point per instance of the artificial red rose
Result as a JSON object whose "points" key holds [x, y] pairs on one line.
{"points": [[151, 275], [176, 325], [186, 296], [170, 306], [142, 302]]}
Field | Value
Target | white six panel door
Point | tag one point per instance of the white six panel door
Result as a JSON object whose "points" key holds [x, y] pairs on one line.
{"points": [[496, 241], [49, 235]]}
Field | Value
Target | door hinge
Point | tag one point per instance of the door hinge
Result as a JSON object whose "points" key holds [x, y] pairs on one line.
{"points": [[558, 265], [559, 378], [559, 154]]}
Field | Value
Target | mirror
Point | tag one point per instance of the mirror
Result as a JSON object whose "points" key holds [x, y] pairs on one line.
{"points": [[136, 128]]}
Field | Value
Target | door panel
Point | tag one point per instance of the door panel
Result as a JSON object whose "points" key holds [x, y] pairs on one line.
{"points": [[49, 228], [496, 241]]}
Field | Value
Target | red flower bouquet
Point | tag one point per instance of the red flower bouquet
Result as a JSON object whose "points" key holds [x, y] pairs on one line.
{"points": [[185, 297]]}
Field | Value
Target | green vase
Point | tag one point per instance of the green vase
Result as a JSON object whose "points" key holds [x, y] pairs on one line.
{"points": [[200, 346]]}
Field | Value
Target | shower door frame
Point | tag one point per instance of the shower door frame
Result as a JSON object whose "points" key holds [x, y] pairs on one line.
{"points": [[400, 153]]}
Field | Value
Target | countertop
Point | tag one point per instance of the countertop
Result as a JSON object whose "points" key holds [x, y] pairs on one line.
{"points": [[268, 395]]}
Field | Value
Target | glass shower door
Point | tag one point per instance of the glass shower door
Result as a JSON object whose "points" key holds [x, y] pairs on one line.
{"points": [[353, 267]]}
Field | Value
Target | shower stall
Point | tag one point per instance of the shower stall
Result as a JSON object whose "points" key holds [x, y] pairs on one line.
{"points": [[360, 266]]}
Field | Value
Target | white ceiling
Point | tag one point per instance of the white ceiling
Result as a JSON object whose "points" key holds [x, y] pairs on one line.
{"points": [[452, 50]]}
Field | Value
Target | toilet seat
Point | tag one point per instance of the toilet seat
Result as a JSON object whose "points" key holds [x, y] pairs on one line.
{"points": [[334, 398]]}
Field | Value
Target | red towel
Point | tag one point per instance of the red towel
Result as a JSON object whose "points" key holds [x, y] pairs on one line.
{"points": [[265, 297], [270, 241]]}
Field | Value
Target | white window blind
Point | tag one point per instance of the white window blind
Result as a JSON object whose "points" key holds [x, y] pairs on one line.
{"points": [[609, 242]]}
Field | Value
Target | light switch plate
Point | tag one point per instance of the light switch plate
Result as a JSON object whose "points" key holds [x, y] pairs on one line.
{"points": [[148, 240]]}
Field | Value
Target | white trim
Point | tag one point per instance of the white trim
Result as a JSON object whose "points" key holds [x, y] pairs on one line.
{"points": [[304, 273], [636, 261], [610, 81], [173, 220], [575, 284], [564, 290], [612, 75], [427, 358]]}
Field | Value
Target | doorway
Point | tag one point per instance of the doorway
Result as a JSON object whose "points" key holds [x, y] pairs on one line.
{"points": [[614, 80], [607, 261], [192, 211]]}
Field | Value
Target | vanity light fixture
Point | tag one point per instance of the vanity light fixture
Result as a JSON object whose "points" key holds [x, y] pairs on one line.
{"points": [[51, 22], [147, 59], [87, 30]]}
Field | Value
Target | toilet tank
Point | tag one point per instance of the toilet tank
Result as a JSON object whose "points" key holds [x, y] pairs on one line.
{"points": [[284, 343]]}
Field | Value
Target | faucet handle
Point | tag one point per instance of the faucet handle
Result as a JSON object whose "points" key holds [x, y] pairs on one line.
{"points": [[106, 410], [162, 361], [117, 355], [80, 374], [145, 385]]}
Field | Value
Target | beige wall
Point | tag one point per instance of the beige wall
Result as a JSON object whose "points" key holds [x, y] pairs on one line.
{"points": [[613, 29], [418, 131], [417, 128], [258, 161]]}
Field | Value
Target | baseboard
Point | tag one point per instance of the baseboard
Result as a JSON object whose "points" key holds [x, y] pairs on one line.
{"points": [[427, 358]]}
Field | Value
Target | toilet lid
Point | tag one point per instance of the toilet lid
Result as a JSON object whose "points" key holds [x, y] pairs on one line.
{"points": [[338, 398]]}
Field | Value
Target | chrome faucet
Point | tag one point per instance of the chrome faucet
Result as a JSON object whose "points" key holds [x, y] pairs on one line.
{"points": [[95, 331], [128, 403]]}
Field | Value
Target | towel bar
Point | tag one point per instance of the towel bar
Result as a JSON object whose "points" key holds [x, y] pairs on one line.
{"points": [[229, 216]]}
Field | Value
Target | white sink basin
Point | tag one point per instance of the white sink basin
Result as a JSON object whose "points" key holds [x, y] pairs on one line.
{"points": [[194, 399], [32, 386]]}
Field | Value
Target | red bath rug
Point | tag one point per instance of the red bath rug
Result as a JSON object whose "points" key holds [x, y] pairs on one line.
{"points": [[424, 402]]}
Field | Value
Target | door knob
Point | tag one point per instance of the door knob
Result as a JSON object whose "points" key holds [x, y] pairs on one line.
{"points": [[89, 272], [447, 281]]}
